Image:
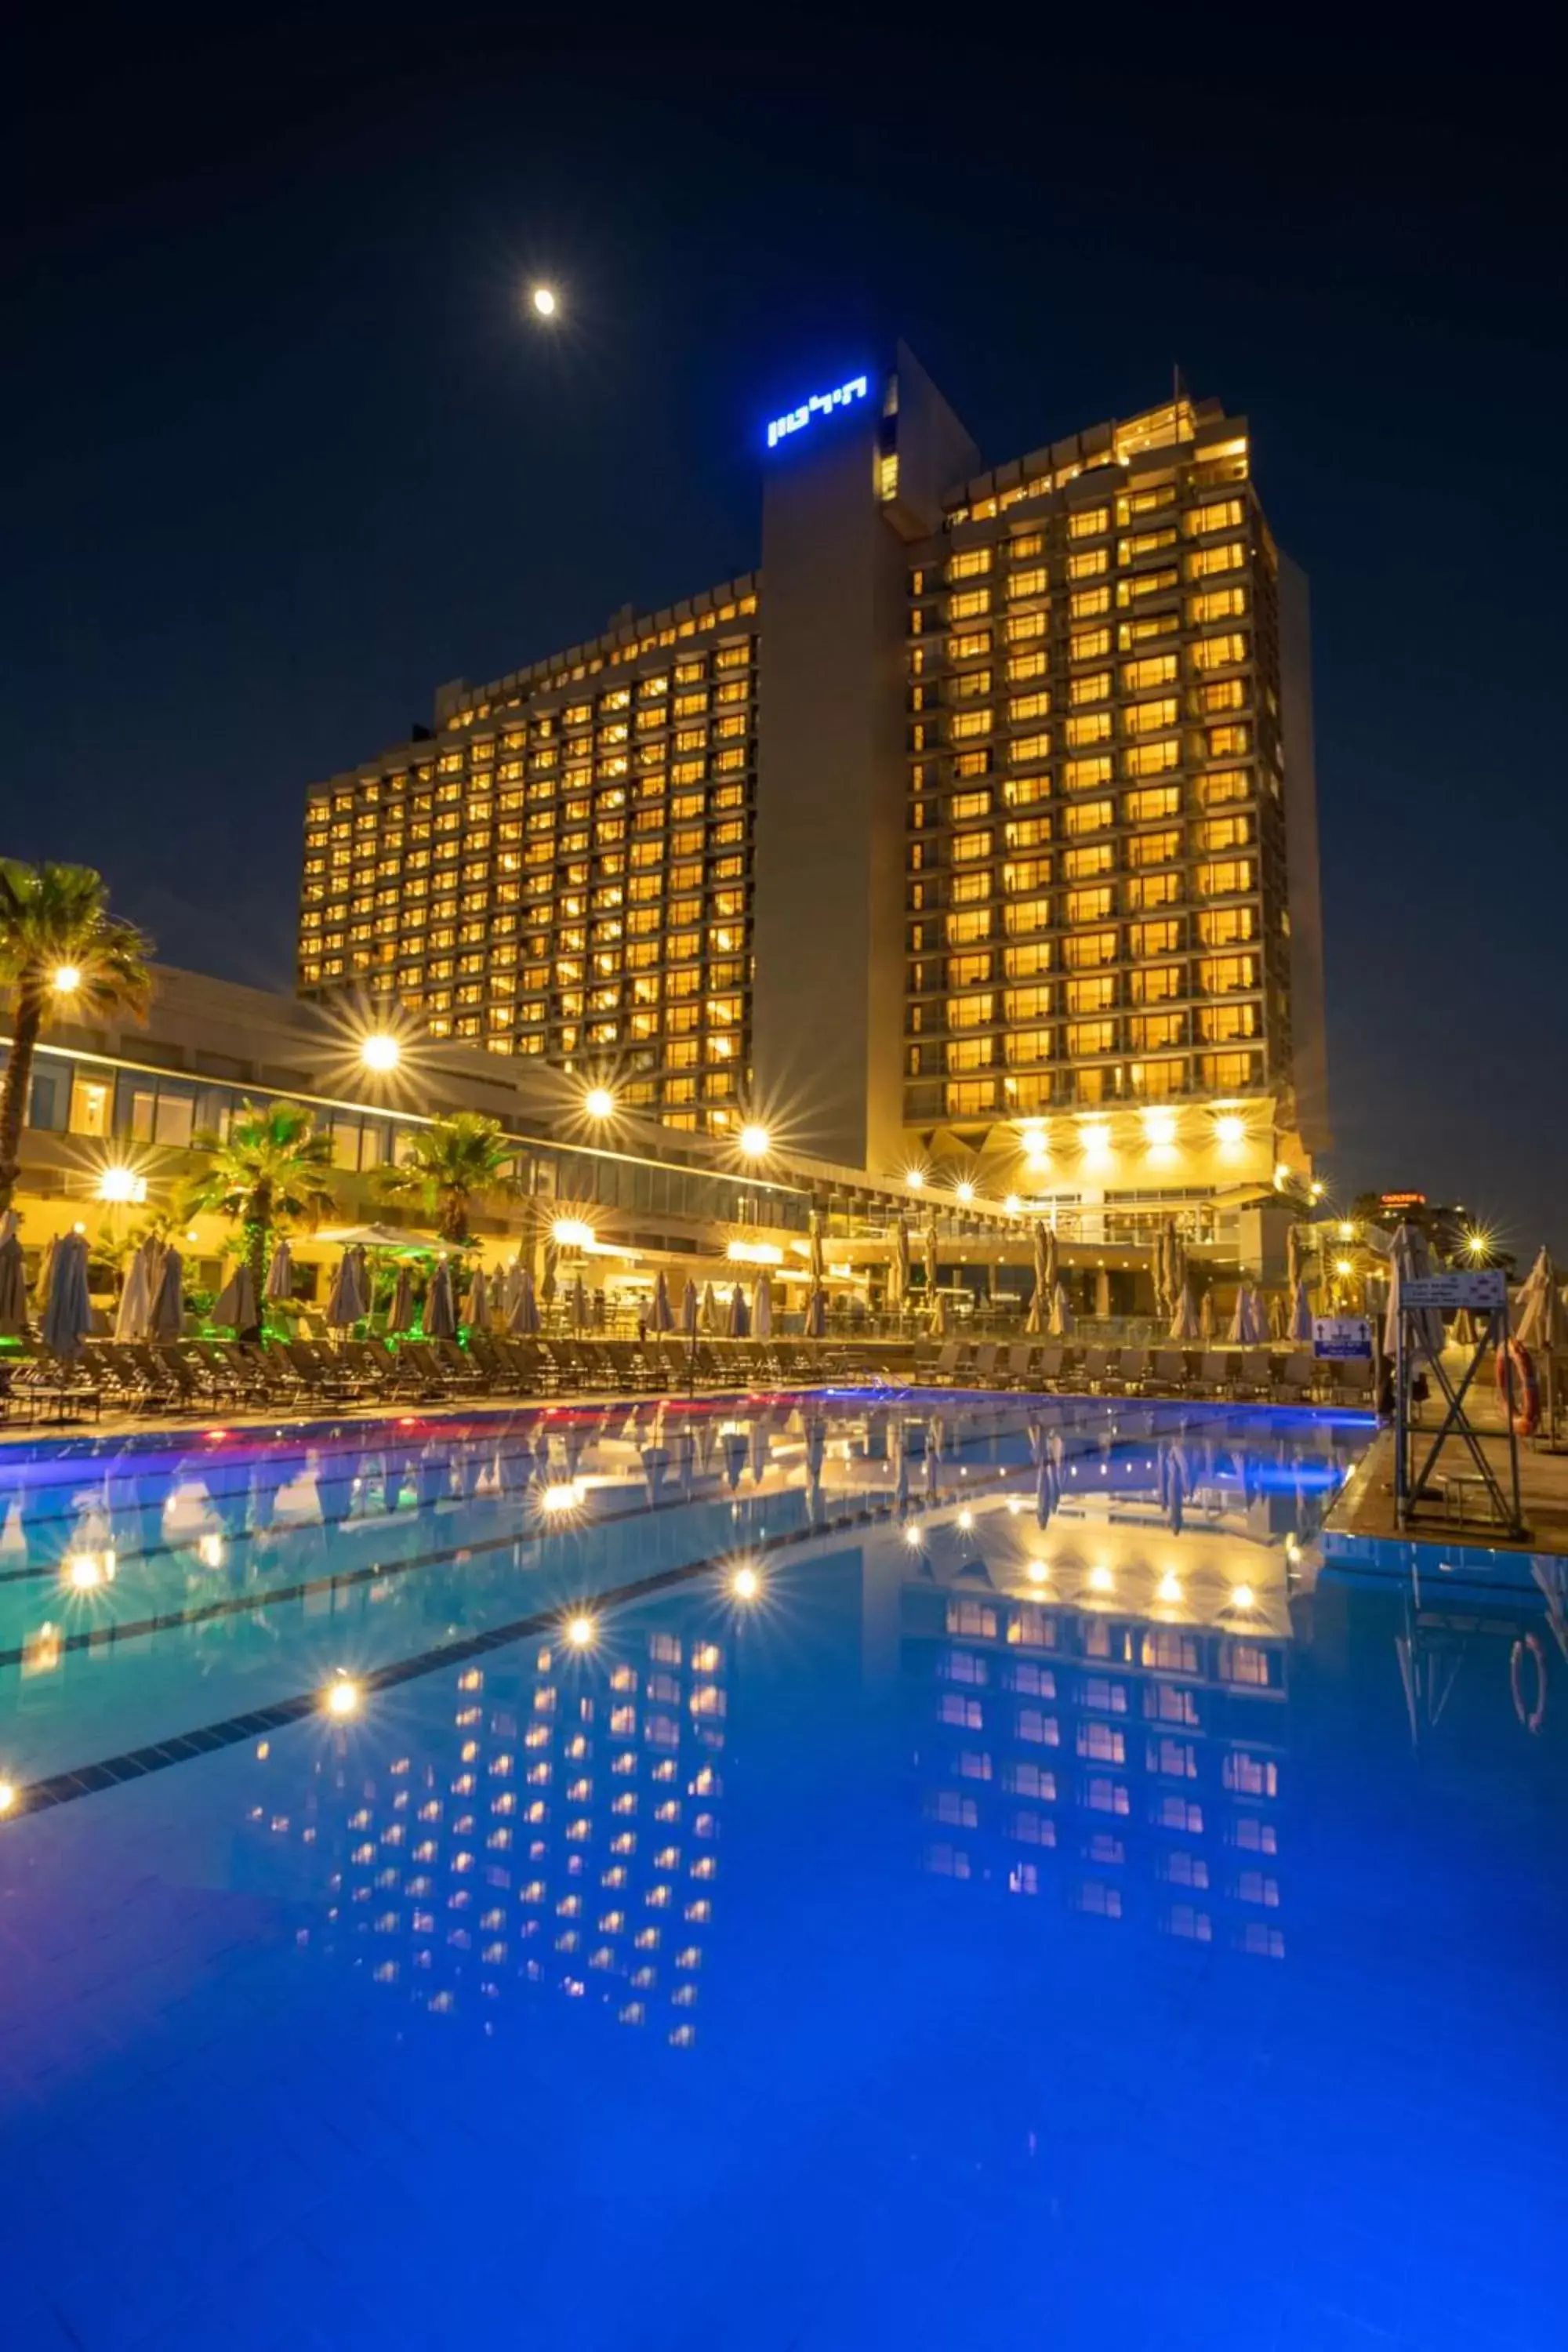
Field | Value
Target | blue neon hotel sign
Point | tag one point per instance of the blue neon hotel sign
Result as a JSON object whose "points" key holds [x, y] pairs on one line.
{"points": [[819, 404]]}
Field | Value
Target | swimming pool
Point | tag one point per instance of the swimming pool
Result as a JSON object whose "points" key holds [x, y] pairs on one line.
{"points": [[1064, 1900]]}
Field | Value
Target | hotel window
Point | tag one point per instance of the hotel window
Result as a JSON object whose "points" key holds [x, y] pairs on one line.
{"points": [[1089, 905], [970, 604], [1219, 653], [1026, 915], [1024, 1005], [1084, 1038], [1093, 686], [1154, 848], [1148, 807], [964, 807], [968, 848], [967, 971], [1026, 792], [1096, 995], [1223, 694], [970, 564], [1091, 727], [1142, 502], [971, 685], [1146, 891], [1025, 1045], [967, 1098], [1024, 584], [1207, 562], [1155, 669], [1144, 583], [962, 929], [1219, 975], [1229, 742], [1089, 816], [1024, 707], [1085, 603], [970, 1053], [1154, 1033], [1082, 864], [1089, 564], [1223, 832], [1027, 546], [1152, 759], [1225, 1074], [971, 764], [965, 725], [1089, 522], [1218, 1023], [1145, 542], [1084, 775], [1150, 718], [1025, 874], [1160, 985], [1024, 962], [1026, 833], [1220, 514], [1026, 748], [969, 647], [1022, 626], [972, 1012], [1225, 880]]}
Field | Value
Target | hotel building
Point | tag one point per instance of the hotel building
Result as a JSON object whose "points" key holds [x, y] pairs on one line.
{"points": [[975, 831]]}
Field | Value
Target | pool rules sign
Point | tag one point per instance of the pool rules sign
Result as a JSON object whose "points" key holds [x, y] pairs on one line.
{"points": [[1341, 1337]]}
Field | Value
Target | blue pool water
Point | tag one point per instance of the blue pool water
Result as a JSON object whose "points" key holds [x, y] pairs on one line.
{"points": [[1070, 1902]]}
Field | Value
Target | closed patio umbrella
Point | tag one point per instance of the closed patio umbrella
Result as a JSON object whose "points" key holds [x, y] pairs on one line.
{"points": [[1239, 1332], [136, 1298], [813, 1260], [710, 1308], [1256, 1318], [763, 1308], [547, 1280], [1207, 1323], [281, 1273], [69, 1315], [660, 1317], [928, 1251], [689, 1308], [1040, 1303], [167, 1316], [523, 1321], [1301, 1313], [12, 1277], [46, 1273], [577, 1302], [235, 1302], [901, 1263], [346, 1304], [1061, 1312], [1462, 1330], [1541, 1322], [739, 1325], [1279, 1315], [1102, 1296], [440, 1308], [817, 1313], [1186, 1326], [478, 1314], [400, 1314]]}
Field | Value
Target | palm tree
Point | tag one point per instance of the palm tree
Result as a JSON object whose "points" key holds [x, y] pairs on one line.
{"points": [[270, 1165], [457, 1155], [58, 938]]}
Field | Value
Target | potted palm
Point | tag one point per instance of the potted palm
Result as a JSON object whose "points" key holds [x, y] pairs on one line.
{"points": [[271, 1165]]}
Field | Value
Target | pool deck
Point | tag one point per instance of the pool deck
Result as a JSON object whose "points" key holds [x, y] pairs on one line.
{"points": [[1365, 1505]]}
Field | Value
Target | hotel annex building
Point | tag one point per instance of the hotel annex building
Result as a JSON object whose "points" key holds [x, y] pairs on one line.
{"points": [[975, 830]]}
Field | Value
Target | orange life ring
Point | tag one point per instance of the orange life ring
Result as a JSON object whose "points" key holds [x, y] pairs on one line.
{"points": [[1535, 1715], [1526, 1392]]}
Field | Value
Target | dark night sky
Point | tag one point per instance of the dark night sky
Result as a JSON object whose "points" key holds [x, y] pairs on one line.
{"points": [[283, 453]]}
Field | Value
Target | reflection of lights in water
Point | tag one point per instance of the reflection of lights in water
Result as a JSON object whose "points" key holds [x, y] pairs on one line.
{"points": [[7, 1795], [343, 1697], [84, 1571], [580, 1631], [1014, 1505], [745, 1584], [1101, 1579], [913, 1537], [966, 1520], [566, 1495], [209, 1550]]}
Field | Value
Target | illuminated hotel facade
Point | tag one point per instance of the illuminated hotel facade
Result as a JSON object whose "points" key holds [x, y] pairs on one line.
{"points": [[976, 827]]}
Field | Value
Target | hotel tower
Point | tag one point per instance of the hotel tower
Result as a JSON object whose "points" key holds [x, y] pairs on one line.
{"points": [[976, 826]]}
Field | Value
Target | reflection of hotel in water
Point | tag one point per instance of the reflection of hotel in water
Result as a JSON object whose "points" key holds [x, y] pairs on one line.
{"points": [[561, 1831], [1088, 1738]]}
